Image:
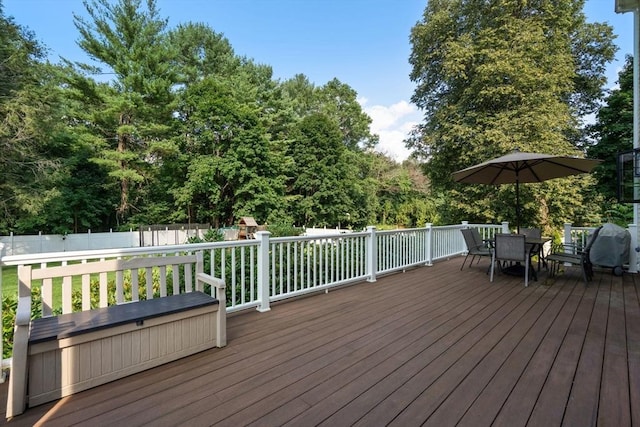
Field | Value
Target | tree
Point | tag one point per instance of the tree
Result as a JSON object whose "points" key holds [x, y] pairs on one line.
{"points": [[495, 76], [77, 200], [613, 131], [231, 169], [201, 52], [402, 193], [172, 126], [28, 122], [318, 180], [339, 101], [131, 114]]}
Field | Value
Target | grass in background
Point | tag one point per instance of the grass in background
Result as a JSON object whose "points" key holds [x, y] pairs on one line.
{"points": [[10, 280]]}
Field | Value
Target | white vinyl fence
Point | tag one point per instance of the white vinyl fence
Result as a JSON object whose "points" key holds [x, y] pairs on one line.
{"points": [[40, 243]]}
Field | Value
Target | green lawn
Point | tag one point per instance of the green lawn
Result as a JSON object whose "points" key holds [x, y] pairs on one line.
{"points": [[10, 280]]}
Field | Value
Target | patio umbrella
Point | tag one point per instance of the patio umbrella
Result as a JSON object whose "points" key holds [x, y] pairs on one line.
{"points": [[520, 167]]}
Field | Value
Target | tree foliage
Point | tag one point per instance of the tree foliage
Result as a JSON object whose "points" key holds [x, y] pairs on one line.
{"points": [[171, 125], [136, 105], [613, 131], [493, 76], [29, 109]]}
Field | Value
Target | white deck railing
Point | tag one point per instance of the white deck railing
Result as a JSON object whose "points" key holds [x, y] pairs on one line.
{"points": [[258, 272], [261, 271]]}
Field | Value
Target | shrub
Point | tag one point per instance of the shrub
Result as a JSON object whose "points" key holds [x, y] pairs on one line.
{"points": [[9, 307]]}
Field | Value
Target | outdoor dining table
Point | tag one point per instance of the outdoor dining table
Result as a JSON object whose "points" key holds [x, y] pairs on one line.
{"points": [[537, 246]]}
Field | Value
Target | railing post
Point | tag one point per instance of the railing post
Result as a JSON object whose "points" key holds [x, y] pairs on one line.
{"points": [[465, 225], [372, 254], [567, 233], [263, 270], [505, 227], [429, 260], [567, 238], [633, 250]]}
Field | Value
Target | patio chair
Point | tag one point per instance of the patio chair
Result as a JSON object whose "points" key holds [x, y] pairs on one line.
{"points": [[479, 240], [512, 248], [475, 246], [571, 254]]}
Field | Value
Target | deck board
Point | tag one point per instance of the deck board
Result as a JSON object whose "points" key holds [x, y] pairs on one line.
{"points": [[429, 376], [521, 401], [374, 388], [475, 360], [632, 311], [431, 346], [490, 399], [552, 400], [583, 400], [499, 369], [614, 404]]}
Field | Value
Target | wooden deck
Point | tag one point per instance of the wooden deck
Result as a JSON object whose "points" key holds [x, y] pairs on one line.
{"points": [[433, 346]]}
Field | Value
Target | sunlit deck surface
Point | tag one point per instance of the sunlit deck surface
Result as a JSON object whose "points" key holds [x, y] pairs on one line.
{"points": [[434, 345]]}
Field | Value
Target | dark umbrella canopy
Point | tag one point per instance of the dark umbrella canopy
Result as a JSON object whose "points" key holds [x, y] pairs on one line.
{"points": [[520, 167], [524, 167]]}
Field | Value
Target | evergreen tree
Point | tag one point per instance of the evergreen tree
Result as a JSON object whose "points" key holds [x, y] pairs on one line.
{"points": [[129, 117]]}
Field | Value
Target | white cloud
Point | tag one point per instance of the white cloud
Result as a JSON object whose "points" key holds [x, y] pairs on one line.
{"points": [[393, 124]]}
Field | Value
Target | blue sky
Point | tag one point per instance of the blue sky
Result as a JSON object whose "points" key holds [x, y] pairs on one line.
{"points": [[363, 43]]}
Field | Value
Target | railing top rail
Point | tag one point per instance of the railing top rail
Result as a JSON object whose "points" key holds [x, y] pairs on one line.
{"points": [[448, 227], [435, 227], [10, 260], [400, 231], [318, 237], [582, 228], [111, 253]]}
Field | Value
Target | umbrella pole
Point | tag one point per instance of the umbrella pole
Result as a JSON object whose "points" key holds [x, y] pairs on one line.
{"points": [[518, 204]]}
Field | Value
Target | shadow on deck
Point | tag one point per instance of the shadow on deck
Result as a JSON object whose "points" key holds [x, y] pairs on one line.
{"points": [[435, 346]]}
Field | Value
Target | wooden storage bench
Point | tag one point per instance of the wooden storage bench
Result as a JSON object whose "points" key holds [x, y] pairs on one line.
{"points": [[56, 356]]}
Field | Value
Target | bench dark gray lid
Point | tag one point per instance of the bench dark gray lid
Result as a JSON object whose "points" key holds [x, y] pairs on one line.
{"points": [[72, 324]]}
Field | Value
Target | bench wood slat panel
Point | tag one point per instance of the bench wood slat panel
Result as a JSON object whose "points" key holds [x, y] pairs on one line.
{"points": [[109, 265]]}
